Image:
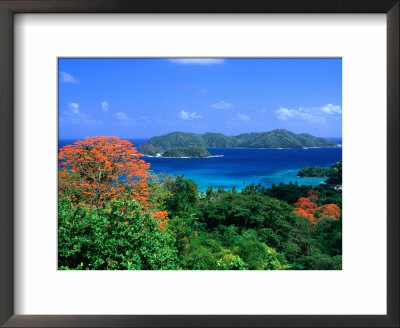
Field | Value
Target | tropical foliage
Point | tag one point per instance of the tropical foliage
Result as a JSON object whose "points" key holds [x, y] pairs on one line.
{"points": [[186, 152], [314, 171], [335, 177], [334, 173], [114, 214]]}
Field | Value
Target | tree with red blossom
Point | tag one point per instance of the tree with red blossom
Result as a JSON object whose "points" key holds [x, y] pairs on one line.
{"points": [[308, 208], [97, 170], [331, 210]]}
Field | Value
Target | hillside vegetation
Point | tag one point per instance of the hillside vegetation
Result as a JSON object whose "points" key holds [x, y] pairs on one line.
{"points": [[272, 139], [334, 173], [186, 152], [113, 214], [314, 171]]}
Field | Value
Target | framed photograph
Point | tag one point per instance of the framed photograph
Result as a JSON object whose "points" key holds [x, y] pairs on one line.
{"points": [[197, 164]]}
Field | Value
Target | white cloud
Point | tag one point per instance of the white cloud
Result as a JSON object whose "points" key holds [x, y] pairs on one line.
{"points": [[68, 78], [197, 61], [243, 117], [122, 116], [188, 116], [125, 118], [222, 105], [312, 115], [305, 114], [263, 110], [331, 109], [74, 116], [74, 107], [285, 113], [104, 106]]}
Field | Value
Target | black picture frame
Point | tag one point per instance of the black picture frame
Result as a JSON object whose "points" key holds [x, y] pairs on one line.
{"points": [[10, 7]]}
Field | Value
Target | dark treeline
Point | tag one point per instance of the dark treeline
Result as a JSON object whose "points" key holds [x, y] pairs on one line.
{"points": [[333, 173], [256, 228]]}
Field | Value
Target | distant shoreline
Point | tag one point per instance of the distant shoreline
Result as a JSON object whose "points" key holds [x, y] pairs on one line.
{"points": [[338, 146], [212, 156]]}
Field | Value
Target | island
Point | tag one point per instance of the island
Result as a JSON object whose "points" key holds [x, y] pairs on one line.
{"points": [[333, 173], [192, 152], [151, 150], [275, 139], [314, 171], [175, 152]]}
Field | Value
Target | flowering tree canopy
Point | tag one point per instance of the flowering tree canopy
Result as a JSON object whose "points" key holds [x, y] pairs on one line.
{"points": [[102, 169], [308, 208]]}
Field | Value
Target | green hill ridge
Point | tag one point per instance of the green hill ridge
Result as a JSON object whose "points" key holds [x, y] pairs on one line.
{"points": [[186, 152], [279, 138]]}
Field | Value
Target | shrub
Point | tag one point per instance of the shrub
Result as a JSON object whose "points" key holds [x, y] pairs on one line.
{"points": [[117, 236]]}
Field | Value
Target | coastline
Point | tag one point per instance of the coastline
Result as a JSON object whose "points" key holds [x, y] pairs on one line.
{"points": [[250, 148], [212, 156], [338, 146]]}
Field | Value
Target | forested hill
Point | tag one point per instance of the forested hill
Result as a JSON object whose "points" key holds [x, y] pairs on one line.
{"points": [[192, 152], [272, 139]]}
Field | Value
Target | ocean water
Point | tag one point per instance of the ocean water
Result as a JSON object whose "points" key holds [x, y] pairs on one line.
{"points": [[242, 166]]}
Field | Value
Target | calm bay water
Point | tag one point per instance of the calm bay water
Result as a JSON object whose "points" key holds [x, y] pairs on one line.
{"points": [[242, 166]]}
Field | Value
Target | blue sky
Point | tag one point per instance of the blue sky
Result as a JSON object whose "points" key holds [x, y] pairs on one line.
{"points": [[141, 98]]}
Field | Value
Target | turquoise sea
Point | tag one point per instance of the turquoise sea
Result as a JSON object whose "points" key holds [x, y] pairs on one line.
{"points": [[242, 166]]}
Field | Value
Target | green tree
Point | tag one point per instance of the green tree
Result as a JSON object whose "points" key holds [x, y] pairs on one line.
{"points": [[257, 255], [184, 195], [319, 262], [117, 236], [335, 177]]}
